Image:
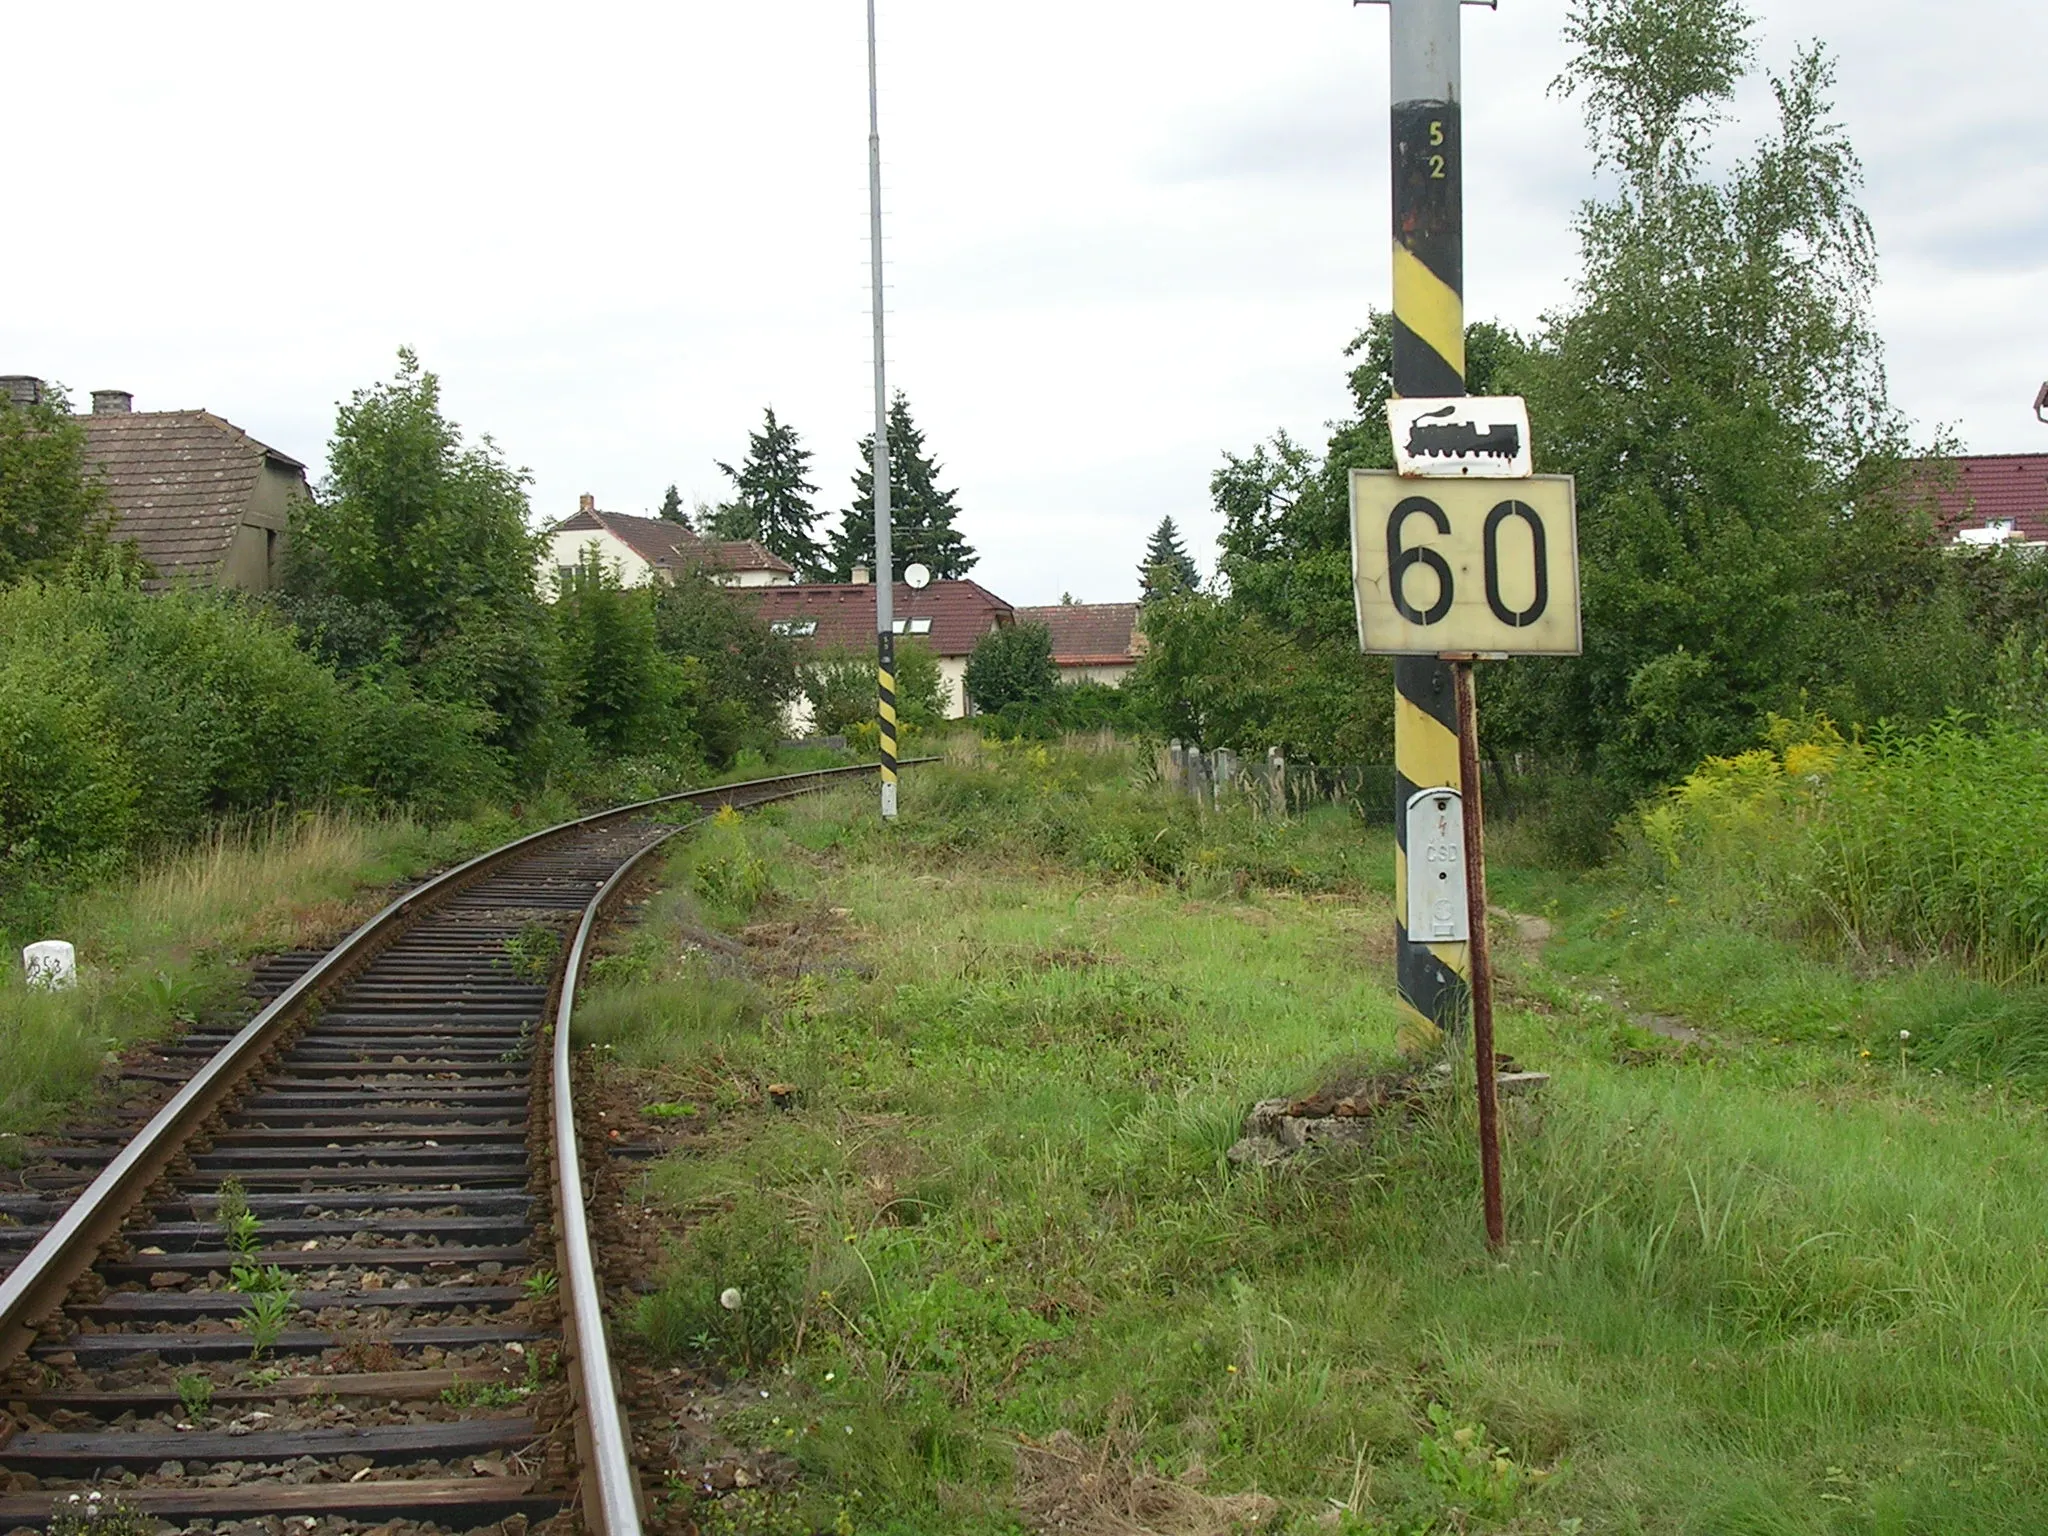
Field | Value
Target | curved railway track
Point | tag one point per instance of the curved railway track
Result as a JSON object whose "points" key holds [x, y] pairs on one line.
{"points": [[414, 1261]]}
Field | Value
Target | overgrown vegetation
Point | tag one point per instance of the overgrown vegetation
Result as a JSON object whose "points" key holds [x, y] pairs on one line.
{"points": [[159, 947], [1756, 1284], [409, 662], [1752, 533]]}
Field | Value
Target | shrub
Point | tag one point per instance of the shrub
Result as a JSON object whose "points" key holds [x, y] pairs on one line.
{"points": [[1926, 842], [68, 790], [1012, 665]]}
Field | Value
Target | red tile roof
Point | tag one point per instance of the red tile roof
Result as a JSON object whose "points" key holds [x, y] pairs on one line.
{"points": [[961, 612], [661, 542], [178, 483], [1089, 634], [1982, 487]]}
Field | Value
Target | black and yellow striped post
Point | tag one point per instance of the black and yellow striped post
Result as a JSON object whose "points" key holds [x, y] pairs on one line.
{"points": [[885, 689], [1429, 359]]}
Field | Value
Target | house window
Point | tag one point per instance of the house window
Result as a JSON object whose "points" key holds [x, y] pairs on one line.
{"points": [[564, 575], [912, 626], [796, 628]]}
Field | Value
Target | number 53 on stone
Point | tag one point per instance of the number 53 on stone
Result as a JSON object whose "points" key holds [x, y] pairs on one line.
{"points": [[1465, 567]]}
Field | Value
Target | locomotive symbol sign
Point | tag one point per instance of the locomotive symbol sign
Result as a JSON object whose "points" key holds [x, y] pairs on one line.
{"points": [[1472, 437], [1465, 567]]}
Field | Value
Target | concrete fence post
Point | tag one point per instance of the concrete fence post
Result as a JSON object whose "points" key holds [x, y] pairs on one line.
{"points": [[1276, 782], [1226, 772]]}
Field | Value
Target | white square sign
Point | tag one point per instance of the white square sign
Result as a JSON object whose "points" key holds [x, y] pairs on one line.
{"points": [[1476, 437]]}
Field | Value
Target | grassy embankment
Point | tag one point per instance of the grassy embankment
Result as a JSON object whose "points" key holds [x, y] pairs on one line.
{"points": [[1781, 1280], [160, 948]]}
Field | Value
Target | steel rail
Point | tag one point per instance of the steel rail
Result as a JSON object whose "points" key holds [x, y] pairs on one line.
{"points": [[37, 1286], [610, 1485]]}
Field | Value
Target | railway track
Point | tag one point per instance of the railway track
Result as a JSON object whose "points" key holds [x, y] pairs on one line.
{"points": [[343, 1277]]}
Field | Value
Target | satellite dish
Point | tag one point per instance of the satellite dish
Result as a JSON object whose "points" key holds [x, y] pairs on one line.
{"points": [[917, 576]]}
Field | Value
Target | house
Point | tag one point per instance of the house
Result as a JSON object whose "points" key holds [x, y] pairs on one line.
{"points": [[839, 617], [643, 547], [1989, 498], [1091, 642], [201, 500]]}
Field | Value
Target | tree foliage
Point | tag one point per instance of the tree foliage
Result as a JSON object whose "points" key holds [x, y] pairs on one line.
{"points": [[1715, 385], [413, 520], [743, 673], [772, 498], [920, 513], [672, 509], [50, 502], [1012, 664], [1167, 566], [618, 686], [416, 553]]}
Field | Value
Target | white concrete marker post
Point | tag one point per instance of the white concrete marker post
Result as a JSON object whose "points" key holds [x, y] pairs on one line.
{"points": [[51, 965]]}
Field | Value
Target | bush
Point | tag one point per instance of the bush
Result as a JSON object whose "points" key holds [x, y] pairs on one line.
{"points": [[68, 790], [1012, 665], [130, 722], [1926, 842]]}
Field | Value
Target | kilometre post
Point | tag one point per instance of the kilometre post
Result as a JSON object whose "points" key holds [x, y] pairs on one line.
{"points": [[1429, 359]]}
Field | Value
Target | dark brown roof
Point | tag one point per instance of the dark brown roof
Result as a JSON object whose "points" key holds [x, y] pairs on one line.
{"points": [[960, 613], [661, 542], [178, 483], [1972, 490], [1089, 634]]}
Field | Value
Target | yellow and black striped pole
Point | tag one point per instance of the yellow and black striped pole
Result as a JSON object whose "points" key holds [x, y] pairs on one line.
{"points": [[885, 688], [1429, 359]]}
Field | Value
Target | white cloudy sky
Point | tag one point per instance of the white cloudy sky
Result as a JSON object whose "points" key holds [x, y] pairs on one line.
{"points": [[1122, 236]]}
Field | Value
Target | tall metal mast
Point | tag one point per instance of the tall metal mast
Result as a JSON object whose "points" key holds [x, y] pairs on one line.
{"points": [[885, 579]]}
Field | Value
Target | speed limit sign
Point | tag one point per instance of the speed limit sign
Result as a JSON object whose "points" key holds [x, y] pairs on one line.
{"points": [[1479, 567]]}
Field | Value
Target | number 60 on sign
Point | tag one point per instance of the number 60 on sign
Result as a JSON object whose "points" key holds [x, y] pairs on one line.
{"points": [[1481, 567]]}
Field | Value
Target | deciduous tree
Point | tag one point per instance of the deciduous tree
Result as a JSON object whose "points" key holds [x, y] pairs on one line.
{"points": [[1012, 665], [49, 499]]}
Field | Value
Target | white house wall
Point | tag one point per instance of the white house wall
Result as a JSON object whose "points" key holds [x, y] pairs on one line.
{"points": [[566, 549]]}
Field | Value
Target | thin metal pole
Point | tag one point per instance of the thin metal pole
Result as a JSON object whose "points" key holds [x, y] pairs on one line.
{"points": [[1481, 956], [1429, 359], [885, 577]]}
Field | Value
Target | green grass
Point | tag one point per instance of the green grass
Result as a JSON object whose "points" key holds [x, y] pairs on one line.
{"points": [[1753, 1286]]}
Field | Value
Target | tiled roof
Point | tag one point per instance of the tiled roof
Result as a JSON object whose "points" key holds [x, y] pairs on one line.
{"points": [[661, 542], [1972, 490], [1090, 634], [178, 483], [960, 613]]}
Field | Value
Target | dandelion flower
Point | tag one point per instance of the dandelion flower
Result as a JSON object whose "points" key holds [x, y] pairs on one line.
{"points": [[729, 1298]]}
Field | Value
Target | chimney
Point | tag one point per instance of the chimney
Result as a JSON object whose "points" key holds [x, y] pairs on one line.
{"points": [[586, 502], [860, 575], [112, 402], [22, 389]]}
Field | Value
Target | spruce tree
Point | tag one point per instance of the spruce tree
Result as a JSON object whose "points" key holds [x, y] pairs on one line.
{"points": [[920, 514], [1167, 567], [672, 508], [773, 501]]}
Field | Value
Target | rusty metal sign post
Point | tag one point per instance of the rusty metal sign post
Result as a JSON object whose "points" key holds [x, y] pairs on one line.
{"points": [[1482, 957]]}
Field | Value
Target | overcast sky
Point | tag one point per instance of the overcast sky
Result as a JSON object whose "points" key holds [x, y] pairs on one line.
{"points": [[1122, 237]]}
